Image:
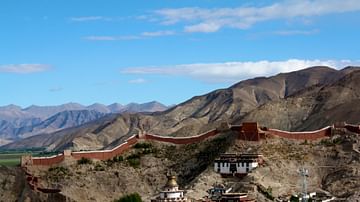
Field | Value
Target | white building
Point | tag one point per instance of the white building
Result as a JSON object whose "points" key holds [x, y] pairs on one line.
{"points": [[234, 164], [171, 192]]}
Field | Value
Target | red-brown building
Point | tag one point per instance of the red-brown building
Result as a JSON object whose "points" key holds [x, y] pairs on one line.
{"points": [[249, 131]]}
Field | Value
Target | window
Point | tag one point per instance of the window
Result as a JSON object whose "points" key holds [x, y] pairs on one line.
{"points": [[247, 164]]}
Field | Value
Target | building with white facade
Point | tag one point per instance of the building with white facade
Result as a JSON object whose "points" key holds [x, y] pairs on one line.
{"points": [[171, 192], [237, 164]]}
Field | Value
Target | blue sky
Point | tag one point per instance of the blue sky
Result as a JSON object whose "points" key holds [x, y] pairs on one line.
{"points": [[54, 52]]}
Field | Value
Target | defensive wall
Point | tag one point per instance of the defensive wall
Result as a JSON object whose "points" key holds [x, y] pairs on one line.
{"points": [[108, 154], [353, 128], [249, 131], [48, 160], [181, 140], [307, 135]]}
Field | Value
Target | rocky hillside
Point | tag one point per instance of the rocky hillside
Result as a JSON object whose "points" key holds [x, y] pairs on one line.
{"points": [[313, 107], [332, 163]]}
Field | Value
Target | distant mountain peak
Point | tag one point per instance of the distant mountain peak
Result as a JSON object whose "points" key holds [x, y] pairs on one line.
{"points": [[96, 104], [99, 107], [115, 107], [10, 107], [350, 69], [72, 104], [115, 104]]}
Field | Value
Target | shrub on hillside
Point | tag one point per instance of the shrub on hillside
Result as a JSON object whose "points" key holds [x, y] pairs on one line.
{"points": [[84, 161], [99, 167], [133, 156], [134, 197], [294, 199], [118, 158], [267, 192], [58, 173], [59, 170], [134, 162], [144, 145]]}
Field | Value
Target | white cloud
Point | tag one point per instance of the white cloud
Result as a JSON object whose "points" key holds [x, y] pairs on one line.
{"points": [[158, 33], [56, 89], [296, 32], [143, 35], [24, 68], [138, 81], [111, 38], [211, 20], [203, 27], [90, 18], [236, 71]]}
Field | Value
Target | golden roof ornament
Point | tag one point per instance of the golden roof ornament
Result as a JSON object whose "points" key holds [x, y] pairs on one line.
{"points": [[171, 182]]}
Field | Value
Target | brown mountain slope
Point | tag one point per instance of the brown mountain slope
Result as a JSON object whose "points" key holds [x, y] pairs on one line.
{"points": [[314, 107], [204, 112]]}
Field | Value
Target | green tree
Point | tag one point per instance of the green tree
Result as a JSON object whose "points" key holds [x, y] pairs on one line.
{"points": [[134, 197]]}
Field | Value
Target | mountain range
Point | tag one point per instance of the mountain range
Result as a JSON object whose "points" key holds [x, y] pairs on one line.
{"points": [[301, 100], [17, 123]]}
